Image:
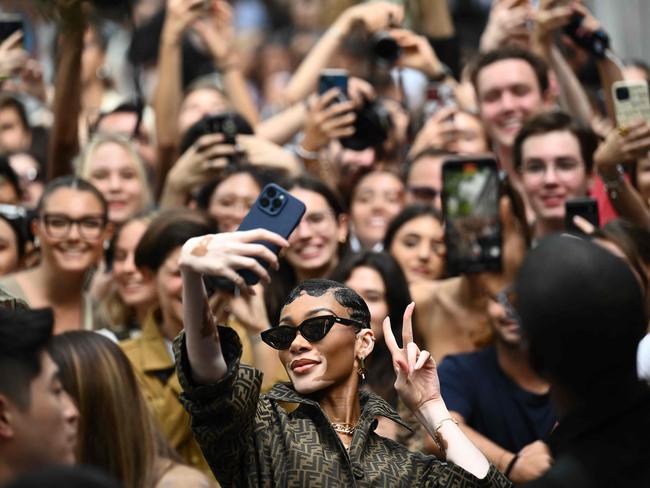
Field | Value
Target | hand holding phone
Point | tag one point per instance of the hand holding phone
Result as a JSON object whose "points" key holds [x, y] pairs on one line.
{"points": [[275, 210], [334, 78], [631, 102], [586, 208], [470, 203]]}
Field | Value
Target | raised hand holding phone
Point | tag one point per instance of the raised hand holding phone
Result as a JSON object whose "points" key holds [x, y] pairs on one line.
{"points": [[275, 211]]}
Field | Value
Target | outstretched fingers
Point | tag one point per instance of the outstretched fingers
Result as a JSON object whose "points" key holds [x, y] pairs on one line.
{"points": [[407, 324]]}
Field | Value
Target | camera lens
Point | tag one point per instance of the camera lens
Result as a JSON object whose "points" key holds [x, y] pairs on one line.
{"points": [[385, 48], [265, 202], [622, 93], [271, 192], [276, 203]]}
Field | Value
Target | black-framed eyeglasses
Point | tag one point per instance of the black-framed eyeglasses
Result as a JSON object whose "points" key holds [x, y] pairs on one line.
{"points": [[313, 329], [58, 226]]}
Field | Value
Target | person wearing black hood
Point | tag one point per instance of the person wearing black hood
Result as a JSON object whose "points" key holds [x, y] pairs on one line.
{"points": [[582, 316]]}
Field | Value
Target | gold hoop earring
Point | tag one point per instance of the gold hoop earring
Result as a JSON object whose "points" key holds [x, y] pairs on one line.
{"points": [[362, 368]]}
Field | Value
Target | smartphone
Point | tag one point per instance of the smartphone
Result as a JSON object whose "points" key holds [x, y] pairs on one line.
{"points": [[334, 78], [276, 210], [585, 207], [470, 205], [438, 96], [631, 102], [10, 23]]}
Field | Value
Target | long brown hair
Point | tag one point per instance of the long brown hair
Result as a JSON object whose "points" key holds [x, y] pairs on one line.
{"points": [[117, 432]]}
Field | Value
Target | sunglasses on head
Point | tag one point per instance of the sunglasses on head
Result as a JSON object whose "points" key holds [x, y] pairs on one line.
{"points": [[313, 329]]}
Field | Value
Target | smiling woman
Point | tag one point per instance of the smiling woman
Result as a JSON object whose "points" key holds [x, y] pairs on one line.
{"points": [[111, 164], [323, 339], [71, 226]]}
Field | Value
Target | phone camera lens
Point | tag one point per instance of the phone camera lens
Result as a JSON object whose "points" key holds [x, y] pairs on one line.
{"points": [[276, 203], [622, 93], [271, 192], [265, 202]]}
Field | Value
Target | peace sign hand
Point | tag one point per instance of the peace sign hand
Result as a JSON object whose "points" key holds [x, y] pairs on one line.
{"points": [[417, 378]]}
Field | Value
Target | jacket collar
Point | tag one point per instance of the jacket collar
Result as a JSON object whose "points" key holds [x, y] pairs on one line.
{"points": [[371, 405], [155, 354]]}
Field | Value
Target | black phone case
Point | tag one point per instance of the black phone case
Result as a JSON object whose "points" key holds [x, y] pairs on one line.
{"points": [[487, 249], [281, 219], [586, 207]]}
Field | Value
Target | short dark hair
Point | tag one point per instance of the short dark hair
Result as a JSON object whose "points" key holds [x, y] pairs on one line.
{"points": [[167, 231], [556, 121], [582, 314], [24, 335], [344, 295], [407, 214], [10, 101], [504, 53], [73, 182]]}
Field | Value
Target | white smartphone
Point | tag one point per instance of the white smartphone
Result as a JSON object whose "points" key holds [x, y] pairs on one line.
{"points": [[631, 102]]}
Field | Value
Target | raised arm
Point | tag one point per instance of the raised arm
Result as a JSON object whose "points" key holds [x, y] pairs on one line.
{"points": [[623, 145], [218, 255], [64, 137], [419, 388], [375, 15], [217, 31]]}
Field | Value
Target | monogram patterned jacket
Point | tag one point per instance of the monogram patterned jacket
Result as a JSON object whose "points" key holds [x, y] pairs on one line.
{"points": [[283, 439]]}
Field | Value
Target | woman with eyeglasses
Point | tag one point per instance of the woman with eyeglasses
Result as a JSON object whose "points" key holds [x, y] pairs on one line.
{"points": [[71, 226], [318, 430]]}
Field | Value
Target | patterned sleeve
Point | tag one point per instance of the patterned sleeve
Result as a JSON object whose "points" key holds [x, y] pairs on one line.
{"points": [[450, 474], [223, 413]]}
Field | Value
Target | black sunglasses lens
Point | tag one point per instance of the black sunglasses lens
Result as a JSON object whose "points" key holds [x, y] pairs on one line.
{"points": [[280, 337], [315, 329]]}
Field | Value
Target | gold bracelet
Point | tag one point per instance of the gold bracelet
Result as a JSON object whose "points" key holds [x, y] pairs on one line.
{"points": [[443, 421]]}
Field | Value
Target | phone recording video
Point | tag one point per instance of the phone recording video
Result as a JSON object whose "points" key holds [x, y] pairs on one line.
{"points": [[470, 202]]}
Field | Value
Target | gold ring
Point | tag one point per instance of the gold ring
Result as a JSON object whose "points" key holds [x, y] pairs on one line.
{"points": [[623, 131]]}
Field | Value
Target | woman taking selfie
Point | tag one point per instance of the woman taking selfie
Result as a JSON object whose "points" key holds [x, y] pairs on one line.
{"points": [[329, 438], [72, 227]]}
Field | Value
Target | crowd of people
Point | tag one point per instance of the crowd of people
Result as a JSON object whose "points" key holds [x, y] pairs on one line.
{"points": [[136, 135]]}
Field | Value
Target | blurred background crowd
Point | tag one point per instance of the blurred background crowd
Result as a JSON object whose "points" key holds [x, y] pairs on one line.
{"points": [[128, 127]]}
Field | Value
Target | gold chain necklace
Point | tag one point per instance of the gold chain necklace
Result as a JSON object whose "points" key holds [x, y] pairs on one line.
{"points": [[347, 429]]}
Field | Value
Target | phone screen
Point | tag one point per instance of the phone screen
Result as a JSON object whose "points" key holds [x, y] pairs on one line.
{"points": [[470, 202], [9, 24], [333, 78], [585, 207]]}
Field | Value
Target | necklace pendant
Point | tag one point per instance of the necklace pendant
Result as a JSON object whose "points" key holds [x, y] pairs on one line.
{"points": [[347, 429]]}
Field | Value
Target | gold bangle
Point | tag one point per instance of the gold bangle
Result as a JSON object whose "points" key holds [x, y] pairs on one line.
{"points": [[443, 421]]}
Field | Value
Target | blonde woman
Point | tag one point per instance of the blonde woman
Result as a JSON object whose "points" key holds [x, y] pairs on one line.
{"points": [[110, 162]]}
